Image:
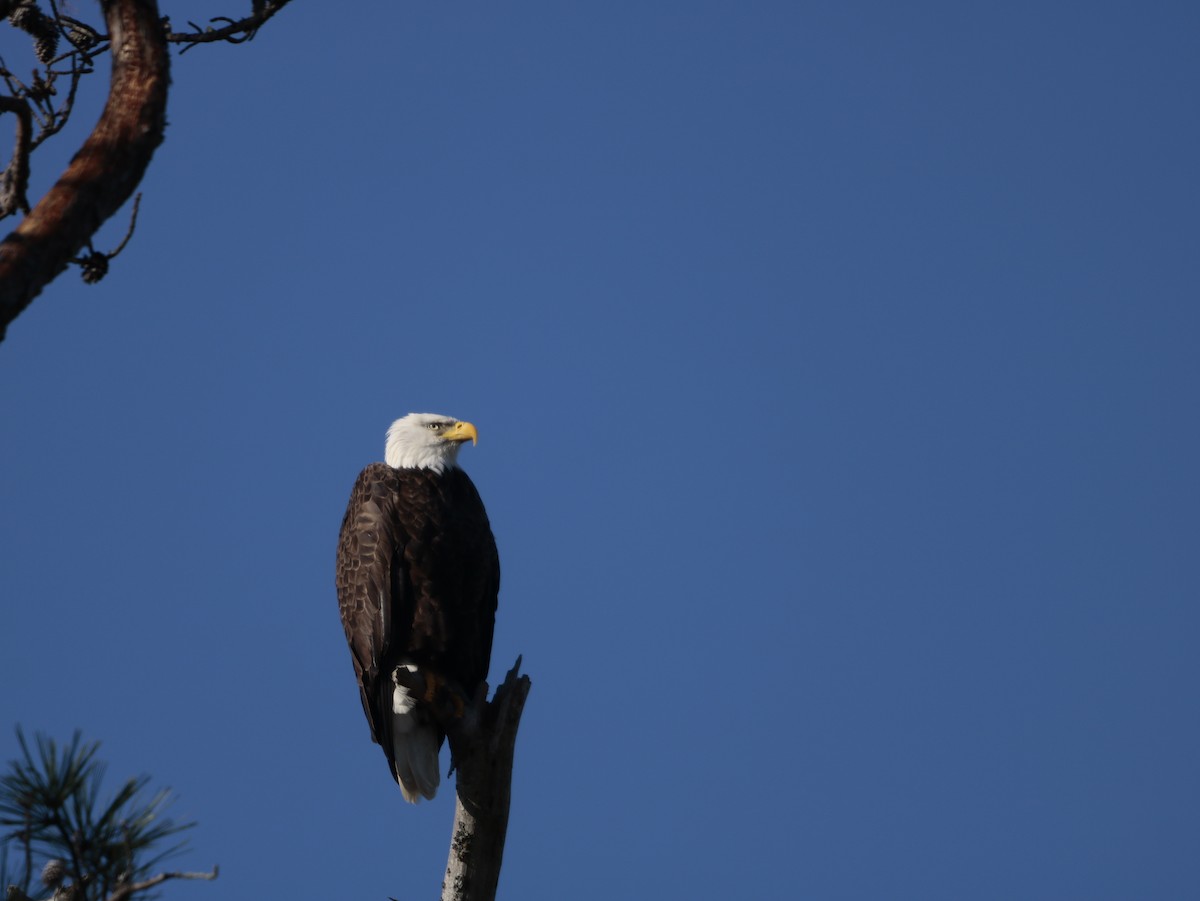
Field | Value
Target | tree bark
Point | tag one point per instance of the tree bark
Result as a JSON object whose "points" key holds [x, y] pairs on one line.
{"points": [[483, 756], [105, 171]]}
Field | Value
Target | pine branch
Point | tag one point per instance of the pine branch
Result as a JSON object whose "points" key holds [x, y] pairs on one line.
{"points": [[123, 893], [111, 163], [50, 802], [107, 169]]}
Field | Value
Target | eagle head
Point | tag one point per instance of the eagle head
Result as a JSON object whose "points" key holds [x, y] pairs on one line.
{"points": [[427, 441]]}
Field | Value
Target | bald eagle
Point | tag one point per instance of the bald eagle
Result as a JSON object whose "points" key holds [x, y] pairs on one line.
{"points": [[417, 578]]}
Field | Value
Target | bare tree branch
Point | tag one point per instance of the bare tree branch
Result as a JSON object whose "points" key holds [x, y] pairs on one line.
{"points": [[15, 178], [484, 758], [108, 167], [124, 892], [234, 31]]}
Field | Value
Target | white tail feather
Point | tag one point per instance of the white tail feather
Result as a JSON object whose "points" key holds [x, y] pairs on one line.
{"points": [[414, 748], [417, 763]]}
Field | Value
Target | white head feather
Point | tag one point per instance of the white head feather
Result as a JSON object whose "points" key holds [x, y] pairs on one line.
{"points": [[426, 441]]}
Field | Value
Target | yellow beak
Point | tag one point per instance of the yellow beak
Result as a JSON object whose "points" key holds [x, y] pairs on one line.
{"points": [[461, 431]]}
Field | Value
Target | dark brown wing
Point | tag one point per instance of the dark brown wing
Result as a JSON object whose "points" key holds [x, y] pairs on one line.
{"points": [[475, 620], [453, 570], [370, 587]]}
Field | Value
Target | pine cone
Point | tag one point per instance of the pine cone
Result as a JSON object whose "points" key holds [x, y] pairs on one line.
{"points": [[45, 47], [23, 16], [83, 38], [53, 872], [95, 267]]}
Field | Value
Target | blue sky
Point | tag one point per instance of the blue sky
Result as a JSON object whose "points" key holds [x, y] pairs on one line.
{"points": [[836, 372]]}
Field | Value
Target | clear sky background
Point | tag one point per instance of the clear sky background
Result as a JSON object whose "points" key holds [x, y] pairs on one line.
{"points": [[836, 372]]}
